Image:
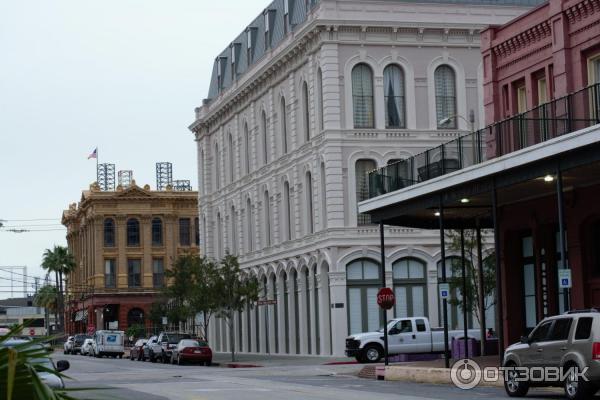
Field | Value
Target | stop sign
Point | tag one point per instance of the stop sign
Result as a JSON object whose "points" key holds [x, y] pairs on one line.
{"points": [[386, 298], [31, 332]]}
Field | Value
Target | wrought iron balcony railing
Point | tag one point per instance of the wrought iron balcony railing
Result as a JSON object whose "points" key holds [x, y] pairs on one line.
{"points": [[558, 117]]}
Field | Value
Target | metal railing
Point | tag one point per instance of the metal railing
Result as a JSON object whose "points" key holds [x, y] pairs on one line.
{"points": [[558, 117]]}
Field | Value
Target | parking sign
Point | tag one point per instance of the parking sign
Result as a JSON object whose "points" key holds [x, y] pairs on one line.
{"points": [[444, 291], [564, 278]]}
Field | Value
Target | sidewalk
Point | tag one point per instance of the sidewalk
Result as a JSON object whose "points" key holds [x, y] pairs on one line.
{"points": [[245, 360], [433, 372]]}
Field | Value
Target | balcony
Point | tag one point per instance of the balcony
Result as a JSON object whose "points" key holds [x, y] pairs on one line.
{"points": [[556, 118]]}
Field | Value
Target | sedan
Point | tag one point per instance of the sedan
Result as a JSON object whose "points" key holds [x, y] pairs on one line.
{"points": [[68, 345], [147, 352], [137, 350], [54, 381], [86, 347], [189, 350]]}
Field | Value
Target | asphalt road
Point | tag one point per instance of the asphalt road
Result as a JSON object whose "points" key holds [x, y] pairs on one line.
{"points": [[132, 380]]}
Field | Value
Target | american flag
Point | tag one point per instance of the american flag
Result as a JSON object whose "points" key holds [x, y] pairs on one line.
{"points": [[94, 154]]}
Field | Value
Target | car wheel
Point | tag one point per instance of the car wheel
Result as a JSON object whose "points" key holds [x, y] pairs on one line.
{"points": [[151, 357], [164, 358], [577, 389], [513, 386], [208, 363], [372, 353]]}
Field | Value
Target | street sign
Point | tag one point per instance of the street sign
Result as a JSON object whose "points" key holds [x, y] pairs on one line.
{"points": [[564, 278], [444, 291], [386, 298], [164, 321], [31, 332], [113, 325], [266, 302]]}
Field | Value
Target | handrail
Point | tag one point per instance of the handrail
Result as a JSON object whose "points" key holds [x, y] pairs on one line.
{"points": [[558, 117]]}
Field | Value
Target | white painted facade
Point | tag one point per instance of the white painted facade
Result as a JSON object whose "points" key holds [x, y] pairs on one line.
{"points": [[291, 216]]}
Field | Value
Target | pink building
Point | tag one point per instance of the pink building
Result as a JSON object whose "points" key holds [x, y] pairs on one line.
{"points": [[545, 54]]}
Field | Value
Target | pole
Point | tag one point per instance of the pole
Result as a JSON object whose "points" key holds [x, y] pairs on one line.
{"points": [[97, 158], [385, 329], [481, 292], [465, 295], [444, 301], [499, 300], [562, 229]]}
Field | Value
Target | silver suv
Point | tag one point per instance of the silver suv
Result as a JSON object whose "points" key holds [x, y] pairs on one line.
{"points": [[570, 340]]}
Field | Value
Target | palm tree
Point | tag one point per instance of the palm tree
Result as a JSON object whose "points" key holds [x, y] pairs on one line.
{"points": [[60, 261], [47, 297]]}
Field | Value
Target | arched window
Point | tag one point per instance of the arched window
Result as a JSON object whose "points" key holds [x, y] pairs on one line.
{"points": [[234, 235], [310, 227], [323, 197], [445, 97], [219, 236], [217, 167], [363, 167], [133, 232], [410, 288], [201, 182], [109, 232], [455, 313], [157, 232], [362, 96], [267, 218], [246, 154], [204, 235], [249, 227], [363, 279], [197, 231], [230, 158], [135, 316], [320, 98], [283, 126], [393, 86], [287, 212], [264, 137], [305, 112]]}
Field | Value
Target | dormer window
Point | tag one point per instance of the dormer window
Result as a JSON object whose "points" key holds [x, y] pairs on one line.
{"points": [[221, 66], [235, 48], [250, 40], [286, 16], [269, 17]]}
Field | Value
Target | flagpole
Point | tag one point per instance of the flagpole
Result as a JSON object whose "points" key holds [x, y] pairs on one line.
{"points": [[97, 165]]}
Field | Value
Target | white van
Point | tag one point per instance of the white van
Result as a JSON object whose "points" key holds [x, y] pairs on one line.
{"points": [[108, 343]]}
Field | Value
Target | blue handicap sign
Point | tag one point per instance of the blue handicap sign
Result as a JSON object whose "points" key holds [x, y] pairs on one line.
{"points": [[565, 282]]}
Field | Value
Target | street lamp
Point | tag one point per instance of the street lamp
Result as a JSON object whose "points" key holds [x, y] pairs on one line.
{"points": [[470, 121]]}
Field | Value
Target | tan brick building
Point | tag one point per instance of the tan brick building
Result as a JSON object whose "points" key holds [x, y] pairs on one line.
{"points": [[123, 241]]}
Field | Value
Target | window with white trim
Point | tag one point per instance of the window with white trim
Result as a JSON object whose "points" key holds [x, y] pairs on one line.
{"points": [[362, 96], [445, 97]]}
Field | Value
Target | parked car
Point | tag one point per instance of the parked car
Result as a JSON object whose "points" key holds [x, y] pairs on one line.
{"points": [[149, 347], [78, 342], [405, 335], [168, 341], [68, 345], [190, 350], [86, 348], [108, 343], [53, 381], [564, 341], [137, 350]]}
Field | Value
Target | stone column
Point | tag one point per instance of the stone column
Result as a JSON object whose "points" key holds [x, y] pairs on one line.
{"points": [[339, 312], [312, 312], [324, 312], [253, 338], [98, 252], [291, 284], [245, 333], [301, 289], [281, 313], [271, 320], [262, 319]]}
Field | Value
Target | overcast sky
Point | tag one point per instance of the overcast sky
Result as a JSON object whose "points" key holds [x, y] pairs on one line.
{"points": [[123, 75]]}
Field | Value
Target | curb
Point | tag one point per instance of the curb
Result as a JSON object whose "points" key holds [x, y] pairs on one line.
{"points": [[436, 376]]}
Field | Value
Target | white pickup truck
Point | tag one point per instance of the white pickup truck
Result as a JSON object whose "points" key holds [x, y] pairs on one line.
{"points": [[405, 335]]}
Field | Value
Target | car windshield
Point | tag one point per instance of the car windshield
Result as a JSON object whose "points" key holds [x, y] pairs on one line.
{"points": [[174, 338]]}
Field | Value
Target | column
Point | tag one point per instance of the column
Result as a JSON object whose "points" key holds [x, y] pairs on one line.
{"points": [[324, 311], [312, 312], [339, 319], [245, 333], [281, 313], [262, 319], [291, 284], [271, 320], [98, 251], [253, 338], [302, 289]]}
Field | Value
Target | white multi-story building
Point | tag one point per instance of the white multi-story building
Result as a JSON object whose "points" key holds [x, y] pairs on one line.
{"points": [[305, 101]]}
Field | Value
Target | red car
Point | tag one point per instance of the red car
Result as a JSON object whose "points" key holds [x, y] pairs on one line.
{"points": [[190, 350]]}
